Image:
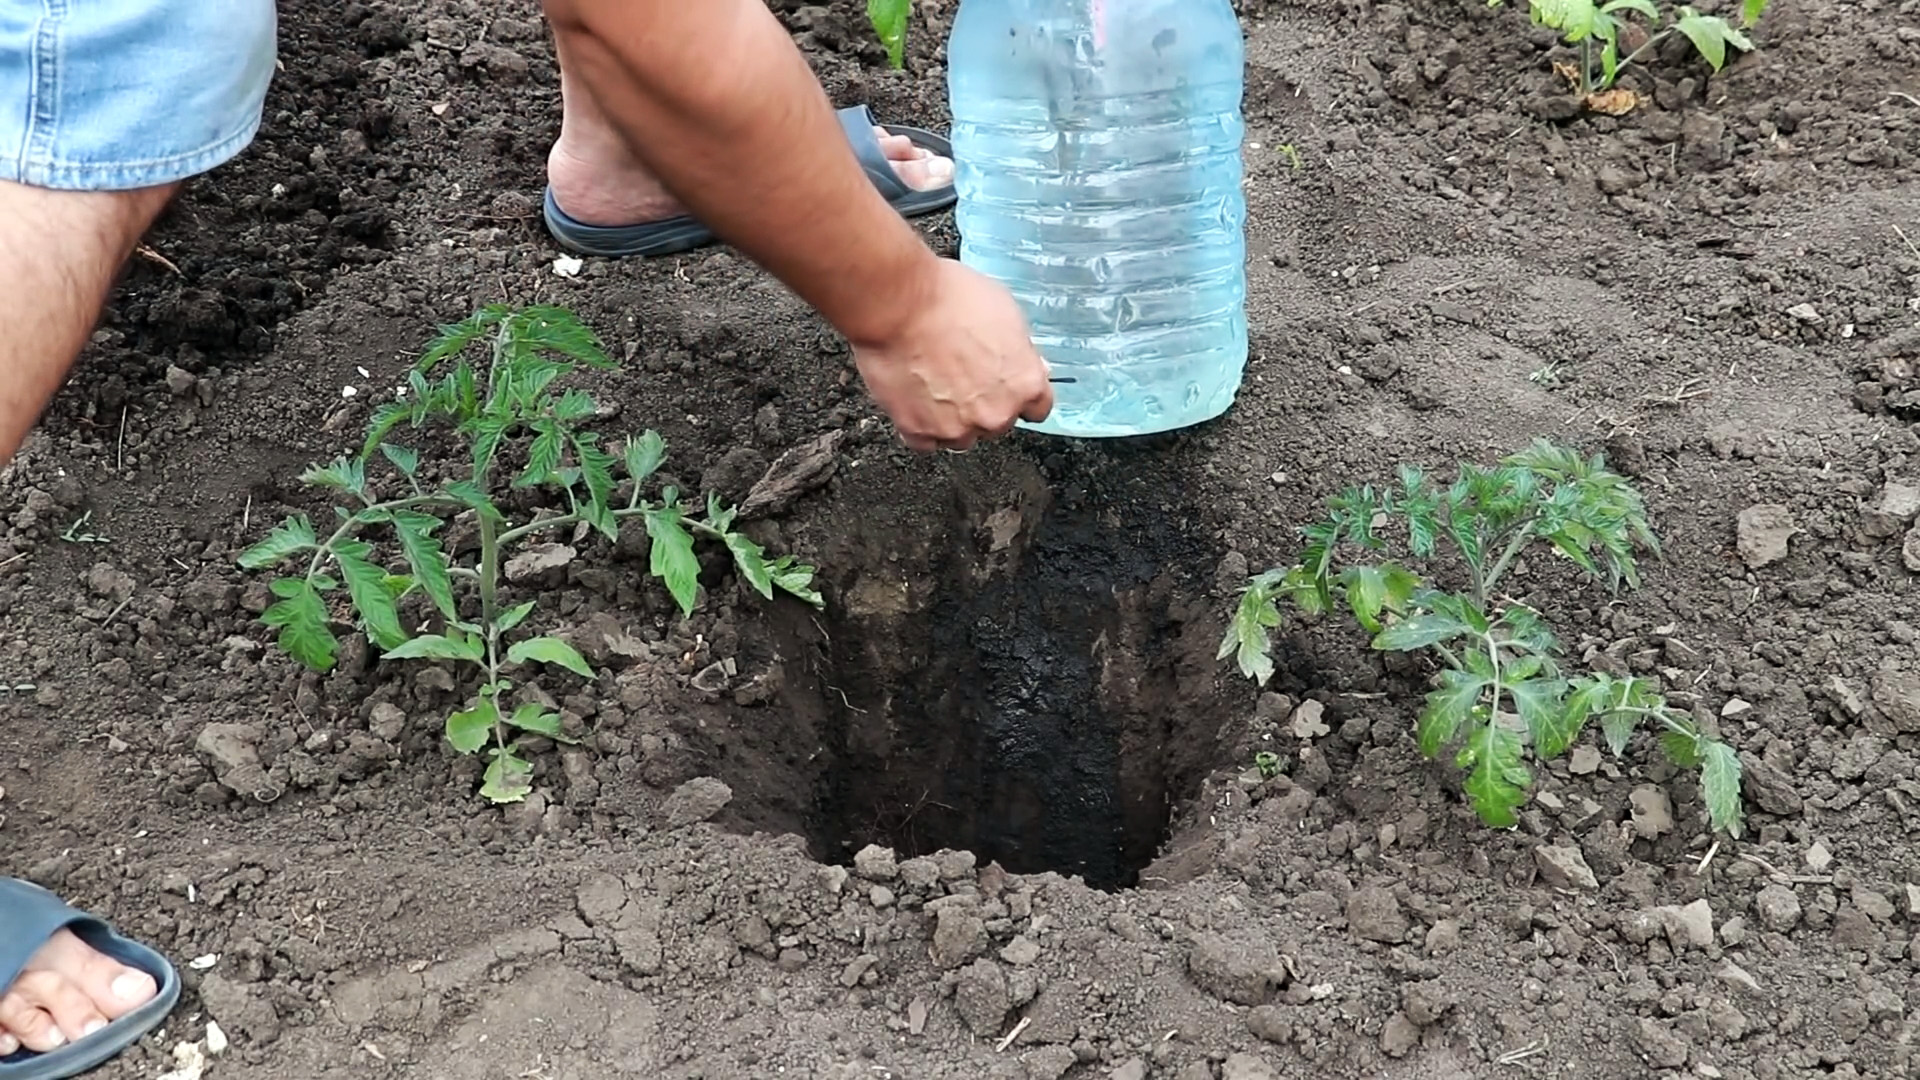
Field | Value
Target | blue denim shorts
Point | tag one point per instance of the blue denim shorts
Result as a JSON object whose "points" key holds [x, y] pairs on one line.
{"points": [[109, 95]]}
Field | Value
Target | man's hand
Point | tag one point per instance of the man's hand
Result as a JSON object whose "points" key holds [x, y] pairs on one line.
{"points": [[960, 368]]}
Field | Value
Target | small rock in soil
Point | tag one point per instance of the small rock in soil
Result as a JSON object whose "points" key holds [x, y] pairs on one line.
{"points": [[239, 1009], [1652, 812], [1309, 720], [1234, 971], [876, 863], [1425, 1003], [1564, 867], [1374, 914], [1689, 925], [696, 800], [1763, 533], [1910, 550], [1897, 693], [1399, 1036], [982, 999], [1132, 1069], [537, 560], [958, 936], [1246, 1067], [1585, 761], [1663, 1047], [229, 749], [1777, 908], [793, 474], [1049, 1063], [1270, 1022], [1769, 788]]}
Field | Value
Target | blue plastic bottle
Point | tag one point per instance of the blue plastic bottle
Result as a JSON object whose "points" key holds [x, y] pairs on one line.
{"points": [[1097, 146]]}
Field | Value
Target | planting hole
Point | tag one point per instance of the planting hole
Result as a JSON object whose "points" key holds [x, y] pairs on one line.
{"points": [[1018, 668]]}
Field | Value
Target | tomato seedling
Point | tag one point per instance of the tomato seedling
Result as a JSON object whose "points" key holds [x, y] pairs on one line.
{"points": [[506, 408], [1584, 22], [1501, 691], [889, 19]]}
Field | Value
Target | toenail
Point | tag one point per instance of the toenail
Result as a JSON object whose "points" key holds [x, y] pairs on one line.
{"points": [[56, 1038], [8, 1045], [132, 986], [940, 170], [93, 1025]]}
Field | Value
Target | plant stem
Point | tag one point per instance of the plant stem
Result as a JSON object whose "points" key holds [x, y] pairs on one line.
{"points": [[489, 615], [1520, 539], [353, 523]]}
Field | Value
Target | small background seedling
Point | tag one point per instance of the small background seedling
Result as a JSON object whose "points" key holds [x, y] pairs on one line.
{"points": [[1584, 22], [889, 19], [1502, 694], [78, 533], [507, 409]]}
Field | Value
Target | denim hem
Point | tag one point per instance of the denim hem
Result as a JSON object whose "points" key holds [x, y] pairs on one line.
{"points": [[131, 175]]}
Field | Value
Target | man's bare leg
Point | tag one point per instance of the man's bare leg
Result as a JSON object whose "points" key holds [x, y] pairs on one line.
{"points": [[59, 254], [597, 180]]}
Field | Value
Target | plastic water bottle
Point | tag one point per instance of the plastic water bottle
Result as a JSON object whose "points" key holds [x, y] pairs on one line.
{"points": [[1097, 154]]}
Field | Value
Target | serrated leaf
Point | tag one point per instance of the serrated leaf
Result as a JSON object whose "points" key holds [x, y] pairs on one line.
{"points": [[508, 779], [1618, 728], [292, 535], [540, 720], [796, 578], [344, 474], [1539, 703], [751, 562], [643, 454], [1448, 707], [889, 20], [1682, 749], [469, 729], [424, 556], [436, 647], [549, 650], [1247, 639], [407, 461], [543, 456], [1496, 782], [514, 616], [672, 559], [1720, 783], [469, 494], [367, 585], [596, 469], [301, 617], [1419, 631], [1374, 589]]}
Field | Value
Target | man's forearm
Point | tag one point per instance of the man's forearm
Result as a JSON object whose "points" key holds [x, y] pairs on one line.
{"points": [[716, 100]]}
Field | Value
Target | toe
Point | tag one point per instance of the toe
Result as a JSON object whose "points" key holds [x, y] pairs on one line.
{"points": [[925, 174], [111, 988], [9, 1045], [27, 1023], [60, 997]]}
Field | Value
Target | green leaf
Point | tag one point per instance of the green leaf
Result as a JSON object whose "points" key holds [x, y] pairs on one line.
{"points": [[454, 338], [1618, 728], [1420, 631], [596, 469], [469, 494], [514, 616], [1247, 639], [388, 416], [367, 585], [428, 562], [751, 561], [292, 535], [643, 454], [543, 457], [1496, 781], [1449, 707], [509, 778], [407, 461], [1373, 589], [1539, 703], [1645, 8], [1682, 749], [344, 474], [792, 576], [1751, 10], [1720, 782], [549, 650], [301, 617], [437, 647], [672, 559], [1709, 34], [469, 729], [1573, 18], [540, 720], [889, 19]]}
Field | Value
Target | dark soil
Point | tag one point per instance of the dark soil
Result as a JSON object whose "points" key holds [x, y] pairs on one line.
{"points": [[1720, 290]]}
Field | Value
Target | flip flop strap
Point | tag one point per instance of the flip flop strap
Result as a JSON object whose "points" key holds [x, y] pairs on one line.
{"points": [[858, 122], [29, 916]]}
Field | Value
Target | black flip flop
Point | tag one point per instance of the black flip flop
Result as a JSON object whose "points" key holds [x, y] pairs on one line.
{"points": [[677, 234], [29, 916]]}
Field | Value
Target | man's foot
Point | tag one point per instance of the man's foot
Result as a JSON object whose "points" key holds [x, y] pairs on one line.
{"points": [[600, 184], [66, 993]]}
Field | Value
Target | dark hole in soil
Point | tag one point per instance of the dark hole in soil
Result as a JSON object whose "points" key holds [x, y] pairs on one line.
{"points": [[1025, 676]]}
